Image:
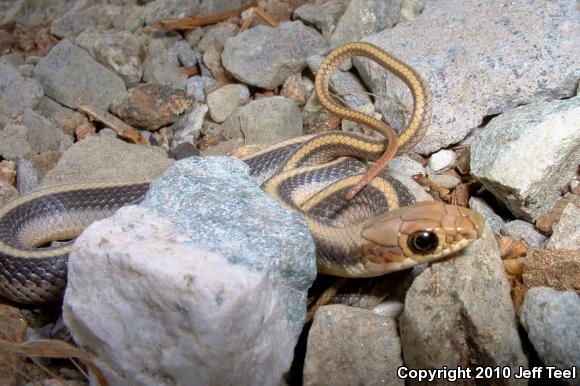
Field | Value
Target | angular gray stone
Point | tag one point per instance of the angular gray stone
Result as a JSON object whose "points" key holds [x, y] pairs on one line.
{"points": [[551, 319], [42, 135], [26, 177], [324, 16], [76, 20], [492, 220], [566, 233], [265, 121], [102, 158], [459, 313], [525, 231], [406, 165], [196, 87], [445, 181], [187, 56], [69, 75], [223, 101], [188, 127], [352, 346], [365, 17], [217, 35], [121, 52], [501, 155], [162, 66], [442, 160], [17, 93], [163, 9], [477, 66], [224, 266], [52, 110], [410, 9], [7, 193], [264, 57], [346, 84], [14, 142]]}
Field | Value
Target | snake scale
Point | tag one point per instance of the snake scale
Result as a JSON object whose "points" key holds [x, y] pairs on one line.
{"points": [[364, 223]]}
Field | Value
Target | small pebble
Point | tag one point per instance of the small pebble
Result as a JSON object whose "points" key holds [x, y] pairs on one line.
{"points": [[442, 160]]}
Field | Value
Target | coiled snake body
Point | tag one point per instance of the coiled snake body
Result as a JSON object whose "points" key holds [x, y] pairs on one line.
{"points": [[364, 224]]}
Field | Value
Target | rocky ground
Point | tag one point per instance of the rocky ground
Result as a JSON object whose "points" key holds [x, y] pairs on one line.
{"points": [[97, 90]]}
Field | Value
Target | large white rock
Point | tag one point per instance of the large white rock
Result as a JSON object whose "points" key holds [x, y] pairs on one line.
{"points": [[203, 283], [527, 156]]}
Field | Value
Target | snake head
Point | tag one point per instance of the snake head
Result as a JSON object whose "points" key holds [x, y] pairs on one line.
{"points": [[420, 233]]}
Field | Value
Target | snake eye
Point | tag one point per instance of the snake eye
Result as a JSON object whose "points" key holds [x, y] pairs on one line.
{"points": [[423, 242]]}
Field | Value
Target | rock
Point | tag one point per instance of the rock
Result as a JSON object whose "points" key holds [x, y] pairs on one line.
{"points": [[80, 18], [99, 158], [188, 128], [183, 150], [442, 160], [324, 16], [213, 257], [410, 9], [492, 220], [187, 56], [196, 86], [365, 17], [31, 170], [551, 320], [265, 121], [567, 231], [213, 63], [193, 36], [264, 57], [13, 329], [525, 231], [549, 130], [26, 70], [17, 93], [223, 148], [150, 106], [163, 9], [217, 35], [459, 313], [294, 89], [14, 142], [121, 52], [445, 180], [223, 101], [352, 346], [468, 60], [69, 75], [406, 165], [162, 66], [57, 114], [555, 268], [7, 193], [8, 172], [42, 135], [346, 84]]}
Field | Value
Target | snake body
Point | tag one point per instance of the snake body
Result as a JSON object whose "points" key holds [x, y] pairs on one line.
{"points": [[365, 223]]}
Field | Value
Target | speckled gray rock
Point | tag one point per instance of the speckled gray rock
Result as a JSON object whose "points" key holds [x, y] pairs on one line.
{"points": [[477, 66], [188, 127], [121, 52], [210, 255], [162, 66], [363, 18], [410, 9], [52, 110], [42, 135], [217, 35], [264, 57], [551, 319], [26, 176], [7, 193], [566, 233], [80, 17], [14, 142], [223, 101], [352, 346], [346, 84], [163, 9], [445, 180], [324, 16], [196, 87], [525, 231], [69, 75], [549, 131], [102, 158], [17, 93], [459, 313], [406, 165], [492, 220], [265, 121]]}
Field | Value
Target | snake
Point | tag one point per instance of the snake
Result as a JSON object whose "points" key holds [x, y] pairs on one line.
{"points": [[364, 222]]}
